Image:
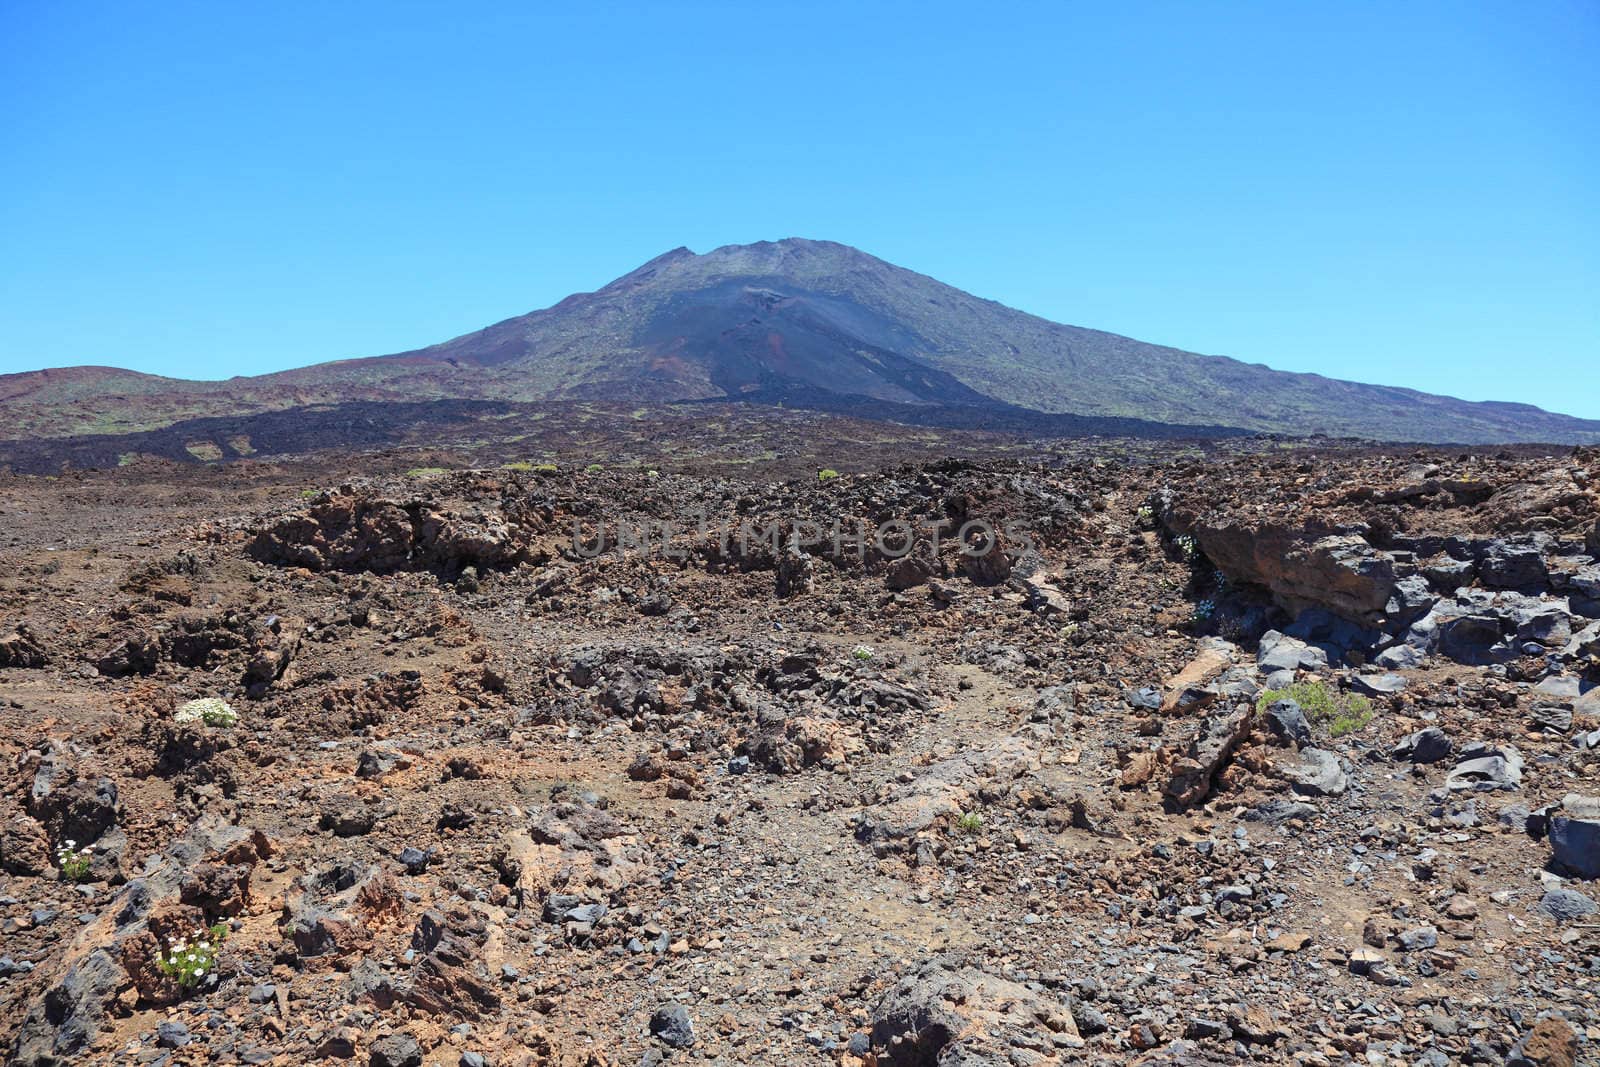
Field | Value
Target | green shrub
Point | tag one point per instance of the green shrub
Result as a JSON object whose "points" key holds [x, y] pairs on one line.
{"points": [[517, 465], [1342, 713], [827, 474], [1357, 713], [593, 468], [970, 823], [426, 472]]}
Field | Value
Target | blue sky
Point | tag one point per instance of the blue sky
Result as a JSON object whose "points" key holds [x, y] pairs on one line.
{"points": [[1405, 193]]}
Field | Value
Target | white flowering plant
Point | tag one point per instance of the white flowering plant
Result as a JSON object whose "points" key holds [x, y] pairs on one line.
{"points": [[207, 710], [73, 861], [862, 652], [192, 960]]}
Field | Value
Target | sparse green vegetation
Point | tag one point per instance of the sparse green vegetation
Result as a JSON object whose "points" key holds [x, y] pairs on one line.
{"points": [[74, 862], [426, 472], [594, 468], [970, 823], [862, 652], [1353, 718], [1341, 713], [827, 474], [517, 465], [192, 961]]}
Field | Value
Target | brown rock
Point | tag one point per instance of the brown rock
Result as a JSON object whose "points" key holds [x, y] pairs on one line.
{"points": [[985, 560], [22, 648], [1211, 661], [1551, 1043], [1210, 750], [24, 848], [1289, 942], [1140, 767], [1302, 566]]}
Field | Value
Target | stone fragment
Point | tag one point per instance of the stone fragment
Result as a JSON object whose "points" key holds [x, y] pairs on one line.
{"points": [[1429, 745], [1210, 750], [1575, 836]]}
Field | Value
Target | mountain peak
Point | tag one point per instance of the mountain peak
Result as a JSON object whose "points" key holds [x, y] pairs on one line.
{"points": [[815, 323]]}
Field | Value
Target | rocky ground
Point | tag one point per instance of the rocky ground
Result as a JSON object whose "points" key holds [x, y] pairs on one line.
{"points": [[1265, 754]]}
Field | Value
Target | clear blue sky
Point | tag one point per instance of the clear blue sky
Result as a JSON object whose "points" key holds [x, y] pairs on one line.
{"points": [[1406, 193]]}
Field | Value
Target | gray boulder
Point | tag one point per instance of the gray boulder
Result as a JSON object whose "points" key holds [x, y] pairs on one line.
{"points": [[672, 1026], [1482, 767], [1315, 772], [1474, 638], [396, 1050], [1411, 599], [1279, 680], [1550, 719], [1280, 652], [1400, 658], [1287, 720], [1428, 745], [1513, 565], [1575, 836], [1566, 905], [1447, 575], [1562, 690], [1548, 624], [1378, 685]]}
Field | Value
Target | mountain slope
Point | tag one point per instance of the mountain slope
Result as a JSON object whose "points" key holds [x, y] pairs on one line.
{"points": [[805, 322]]}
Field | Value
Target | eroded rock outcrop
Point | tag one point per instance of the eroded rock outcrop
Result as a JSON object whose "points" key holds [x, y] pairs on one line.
{"points": [[960, 1017], [355, 532], [22, 648], [1193, 774], [942, 792]]}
